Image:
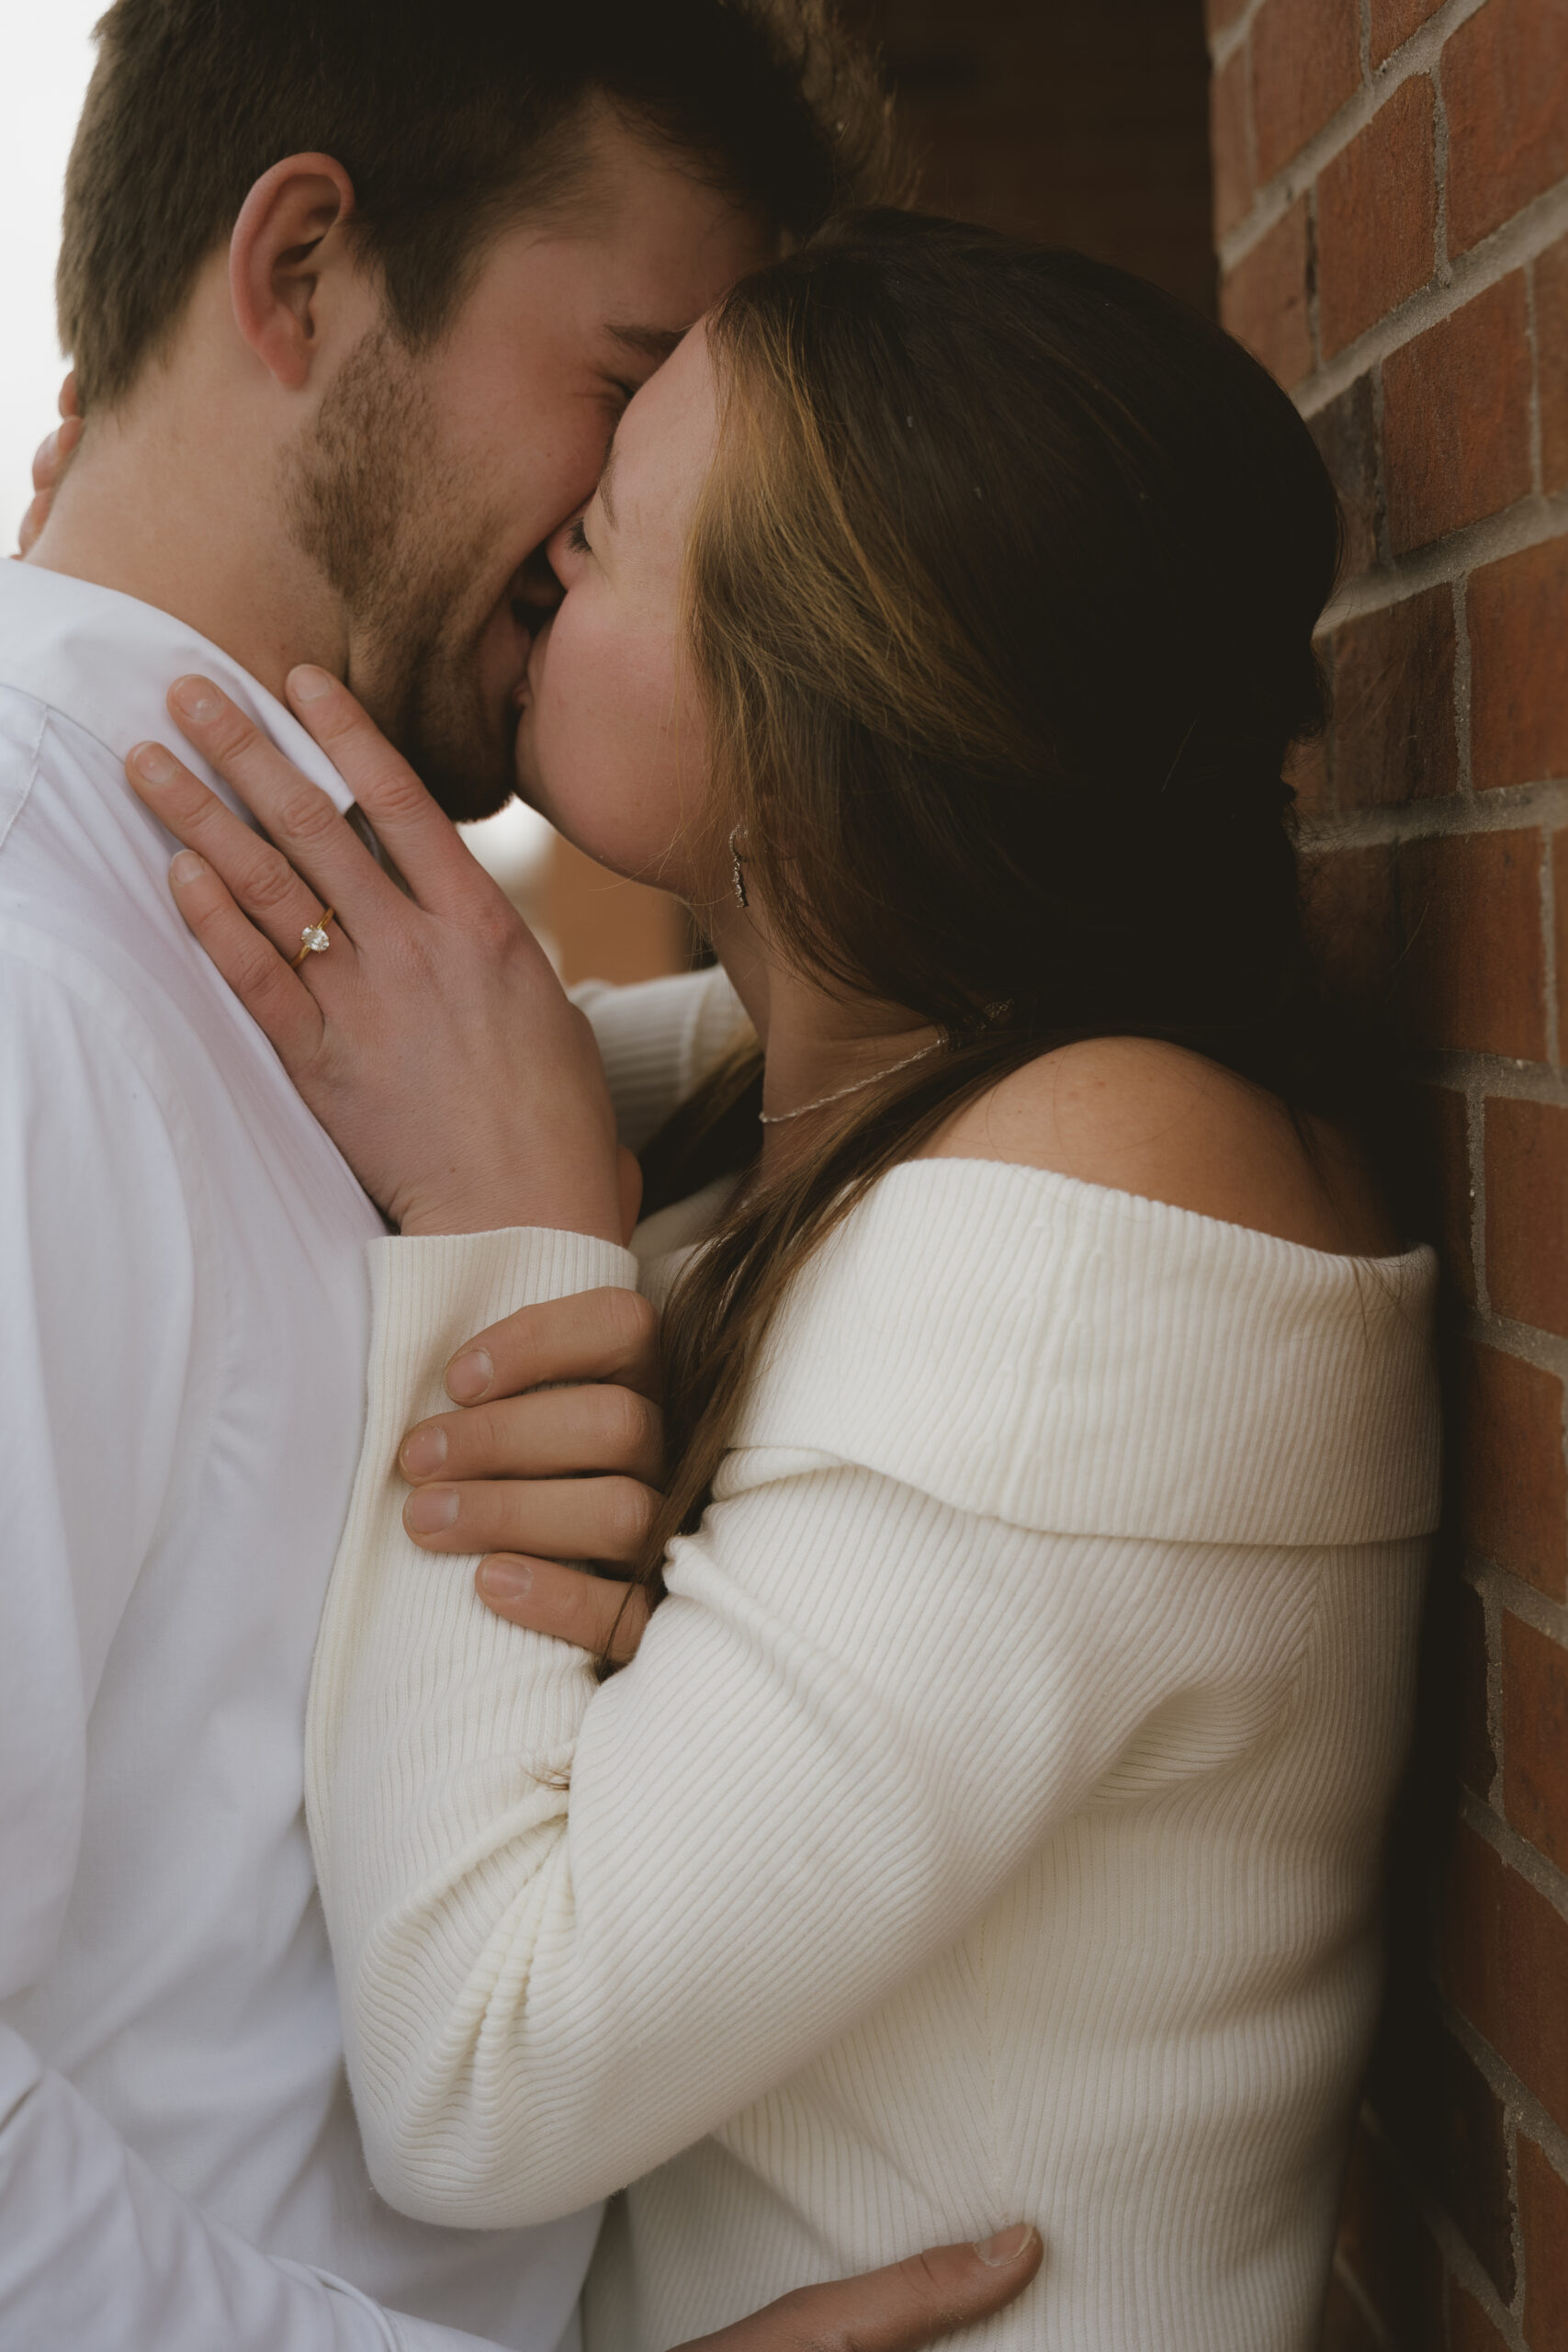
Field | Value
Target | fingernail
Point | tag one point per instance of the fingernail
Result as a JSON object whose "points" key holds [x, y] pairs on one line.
{"points": [[309, 684], [423, 1451], [467, 1376], [153, 764], [186, 867], [194, 698], [431, 1511], [1007, 2245], [506, 1579]]}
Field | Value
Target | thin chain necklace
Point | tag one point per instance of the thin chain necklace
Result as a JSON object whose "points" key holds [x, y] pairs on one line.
{"points": [[777, 1118]]}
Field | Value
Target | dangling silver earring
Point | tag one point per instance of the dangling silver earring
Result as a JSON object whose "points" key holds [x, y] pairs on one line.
{"points": [[737, 871]]}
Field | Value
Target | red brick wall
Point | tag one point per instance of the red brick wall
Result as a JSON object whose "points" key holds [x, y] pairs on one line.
{"points": [[1392, 216]]}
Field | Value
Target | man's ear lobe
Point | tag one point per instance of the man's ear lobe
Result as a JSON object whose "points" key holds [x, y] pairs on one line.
{"points": [[289, 229]]}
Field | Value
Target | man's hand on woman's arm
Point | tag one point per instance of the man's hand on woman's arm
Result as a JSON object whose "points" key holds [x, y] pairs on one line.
{"points": [[896, 2310], [555, 1452]]}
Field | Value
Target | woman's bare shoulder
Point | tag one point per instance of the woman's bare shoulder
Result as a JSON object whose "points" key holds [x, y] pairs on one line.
{"points": [[1141, 1116]]}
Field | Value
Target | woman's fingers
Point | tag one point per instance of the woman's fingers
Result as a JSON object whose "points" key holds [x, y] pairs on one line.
{"points": [[552, 1434], [313, 835], [257, 877], [563, 1519], [608, 1334], [419, 839], [270, 992], [593, 1612]]}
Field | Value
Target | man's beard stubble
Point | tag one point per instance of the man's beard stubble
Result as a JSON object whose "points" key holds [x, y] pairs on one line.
{"points": [[387, 520]]}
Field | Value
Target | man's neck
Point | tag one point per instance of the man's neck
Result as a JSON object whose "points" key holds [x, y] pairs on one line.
{"points": [[182, 522]]}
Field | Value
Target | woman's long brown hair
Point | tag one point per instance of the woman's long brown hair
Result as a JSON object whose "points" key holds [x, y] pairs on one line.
{"points": [[1001, 593]]}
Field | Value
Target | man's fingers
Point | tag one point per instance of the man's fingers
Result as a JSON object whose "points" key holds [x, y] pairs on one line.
{"points": [[895, 2310], [312, 835], [553, 1434], [609, 1334], [591, 1613], [565, 1518], [270, 992], [419, 839], [69, 399]]}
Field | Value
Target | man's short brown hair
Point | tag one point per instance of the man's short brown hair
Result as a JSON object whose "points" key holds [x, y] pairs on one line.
{"points": [[450, 117]]}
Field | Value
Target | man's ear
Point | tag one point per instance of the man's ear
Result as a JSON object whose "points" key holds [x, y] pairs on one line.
{"points": [[290, 228]]}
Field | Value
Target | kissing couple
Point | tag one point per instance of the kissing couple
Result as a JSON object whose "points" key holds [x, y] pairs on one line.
{"points": [[578, 1765]]}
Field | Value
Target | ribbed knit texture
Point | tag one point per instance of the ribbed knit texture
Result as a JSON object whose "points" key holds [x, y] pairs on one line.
{"points": [[990, 1824]]}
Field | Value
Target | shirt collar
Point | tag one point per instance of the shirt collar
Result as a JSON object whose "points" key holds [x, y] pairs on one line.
{"points": [[107, 661]]}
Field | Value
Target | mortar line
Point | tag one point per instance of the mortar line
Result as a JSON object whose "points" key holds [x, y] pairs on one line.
{"points": [[1462, 749], [1529, 523]]}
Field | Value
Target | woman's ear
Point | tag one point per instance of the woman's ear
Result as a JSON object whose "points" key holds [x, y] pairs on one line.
{"points": [[289, 233]]}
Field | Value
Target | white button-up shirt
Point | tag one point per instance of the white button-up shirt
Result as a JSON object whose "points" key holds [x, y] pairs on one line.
{"points": [[183, 1333]]}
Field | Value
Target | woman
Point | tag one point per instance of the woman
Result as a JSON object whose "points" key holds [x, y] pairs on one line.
{"points": [[989, 1819]]}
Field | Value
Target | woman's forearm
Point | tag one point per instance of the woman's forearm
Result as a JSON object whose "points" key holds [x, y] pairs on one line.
{"points": [[846, 1728]]}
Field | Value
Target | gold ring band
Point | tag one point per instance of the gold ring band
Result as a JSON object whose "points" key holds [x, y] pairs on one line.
{"points": [[314, 938]]}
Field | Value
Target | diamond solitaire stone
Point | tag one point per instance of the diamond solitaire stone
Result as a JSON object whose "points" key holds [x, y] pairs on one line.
{"points": [[316, 939]]}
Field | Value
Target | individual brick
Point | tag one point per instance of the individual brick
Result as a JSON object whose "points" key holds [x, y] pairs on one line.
{"points": [[1517, 613], [1504, 1960], [1543, 2228], [1474, 366], [1513, 1484], [1306, 61], [1473, 975], [1228, 143], [1477, 1758], [1535, 1738], [1470, 2328], [1385, 176], [1526, 1213], [1505, 88], [1394, 704], [1551, 362], [1345, 434], [1394, 21], [1263, 300], [1349, 913]]}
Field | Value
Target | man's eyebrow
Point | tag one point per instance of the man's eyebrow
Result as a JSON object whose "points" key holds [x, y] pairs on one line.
{"points": [[650, 342]]}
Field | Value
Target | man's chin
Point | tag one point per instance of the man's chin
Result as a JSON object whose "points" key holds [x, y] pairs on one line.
{"points": [[471, 784]]}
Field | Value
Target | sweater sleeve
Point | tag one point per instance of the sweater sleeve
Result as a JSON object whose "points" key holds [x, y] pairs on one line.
{"points": [[577, 1928]]}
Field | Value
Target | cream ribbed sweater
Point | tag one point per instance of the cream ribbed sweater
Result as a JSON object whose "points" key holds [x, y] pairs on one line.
{"points": [[989, 1823]]}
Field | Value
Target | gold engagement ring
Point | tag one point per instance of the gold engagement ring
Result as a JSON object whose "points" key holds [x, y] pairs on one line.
{"points": [[315, 937]]}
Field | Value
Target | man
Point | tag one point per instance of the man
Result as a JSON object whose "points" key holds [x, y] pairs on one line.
{"points": [[354, 293]]}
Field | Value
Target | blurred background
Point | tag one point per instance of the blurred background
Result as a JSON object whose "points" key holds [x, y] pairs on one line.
{"points": [[1083, 122]]}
